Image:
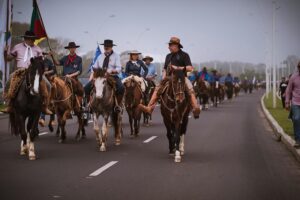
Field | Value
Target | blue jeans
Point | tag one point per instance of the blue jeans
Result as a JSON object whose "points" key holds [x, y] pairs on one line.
{"points": [[295, 116], [119, 86]]}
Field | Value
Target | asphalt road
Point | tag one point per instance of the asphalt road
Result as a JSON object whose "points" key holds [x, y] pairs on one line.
{"points": [[230, 154]]}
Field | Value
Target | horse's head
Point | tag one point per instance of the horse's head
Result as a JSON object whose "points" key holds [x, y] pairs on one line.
{"points": [[100, 83], [178, 86], [99, 72], [130, 83], [35, 73]]}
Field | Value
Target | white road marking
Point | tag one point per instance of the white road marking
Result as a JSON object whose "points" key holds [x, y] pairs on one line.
{"points": [[43, 133], [150, 139], [102, 169]]}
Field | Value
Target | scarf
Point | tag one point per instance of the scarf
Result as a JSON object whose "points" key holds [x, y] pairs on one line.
{"points": [[106, 60], [28, 53], [71, 58]]}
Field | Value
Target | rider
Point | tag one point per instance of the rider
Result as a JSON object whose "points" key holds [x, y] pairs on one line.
{"points": [[204, 75], [50, 70], [110, 61], [178, 60], [236, 80], [136, 67], [22, 53], [151, 70], [228, 80]]}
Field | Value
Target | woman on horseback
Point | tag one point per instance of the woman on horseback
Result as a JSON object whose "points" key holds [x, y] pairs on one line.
{"points": [[135, 66], [177, 60]]}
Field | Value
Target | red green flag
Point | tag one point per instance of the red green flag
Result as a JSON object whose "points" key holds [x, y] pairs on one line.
{"points": [[36, 25]]}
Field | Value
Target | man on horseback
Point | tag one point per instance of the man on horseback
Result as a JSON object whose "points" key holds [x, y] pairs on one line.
{"points": [[204, 75], [22, 53], [110, 61], [177, 60]]}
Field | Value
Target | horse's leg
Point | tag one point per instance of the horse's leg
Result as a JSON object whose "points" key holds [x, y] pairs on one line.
{"points": [[182, 134], [177, 132], [104, 133], [117, 122], [131, 124], [50, 125], [79, 134], [170, 139], [21, 124], [97, 130], [62, 123], [33, 133]]}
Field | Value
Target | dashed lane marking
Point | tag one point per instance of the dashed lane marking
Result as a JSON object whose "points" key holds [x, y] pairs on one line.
{"points": [[103, 168], [150, 139]]}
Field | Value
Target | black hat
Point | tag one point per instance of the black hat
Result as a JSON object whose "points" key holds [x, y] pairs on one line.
{"points": [[29, 35], [108, 43], [72, 45]]}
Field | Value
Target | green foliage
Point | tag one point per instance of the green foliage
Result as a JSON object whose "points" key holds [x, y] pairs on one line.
{"points": [[279, 114]]}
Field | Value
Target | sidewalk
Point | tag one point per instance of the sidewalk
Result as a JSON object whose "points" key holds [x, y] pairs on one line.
{"points": [[279, 131]]}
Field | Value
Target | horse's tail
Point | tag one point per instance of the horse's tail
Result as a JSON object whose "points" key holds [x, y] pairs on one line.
{"points": [[13, 125]]}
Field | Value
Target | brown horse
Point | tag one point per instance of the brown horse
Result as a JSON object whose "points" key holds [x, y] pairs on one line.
{"points": [[202, 90], [215, 93], [67, 96], [175, 109], [104, 104], [148, 94], [133, 97]]}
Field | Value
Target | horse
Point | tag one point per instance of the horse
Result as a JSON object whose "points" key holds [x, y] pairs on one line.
{"points": [[236, 89], [175, 109], [28, 105], [215, 93], [202, 89], [104, 104], [148, 94], [66, 95], [245, 86], [133, 97], [229, 90]]}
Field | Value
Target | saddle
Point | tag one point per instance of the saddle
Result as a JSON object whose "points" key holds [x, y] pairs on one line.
{"points": [[15, 82], [141, 82]]}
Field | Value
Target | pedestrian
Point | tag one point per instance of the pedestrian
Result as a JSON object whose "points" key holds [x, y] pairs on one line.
{"points": [[282, 88], [292, 103]]}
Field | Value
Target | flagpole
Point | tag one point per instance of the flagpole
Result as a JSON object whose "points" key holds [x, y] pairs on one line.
{"points": [[6, 41], [42, 22]]}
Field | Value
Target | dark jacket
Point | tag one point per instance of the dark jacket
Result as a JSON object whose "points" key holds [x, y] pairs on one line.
{"points": [[135, 68]]}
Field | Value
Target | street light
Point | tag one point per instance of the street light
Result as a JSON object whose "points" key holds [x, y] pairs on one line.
{"points": [[273, 53]]}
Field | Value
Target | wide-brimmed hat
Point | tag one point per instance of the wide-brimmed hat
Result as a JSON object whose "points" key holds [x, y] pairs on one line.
{"points": [[108, 43], [72, 45], [148, 58], [29, 35], [175, 40], [134, 52]]}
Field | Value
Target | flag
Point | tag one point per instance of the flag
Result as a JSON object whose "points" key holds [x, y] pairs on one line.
{"points": [[97, 54], [5, 35], [37, 25]]}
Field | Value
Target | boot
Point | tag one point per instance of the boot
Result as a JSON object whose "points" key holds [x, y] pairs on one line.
{"points": [[151, 105], [45, 98], [194, 104]]}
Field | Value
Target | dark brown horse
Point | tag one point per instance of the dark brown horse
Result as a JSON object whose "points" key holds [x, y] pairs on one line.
{"points": [[28, 105], [202, 90], [67, 94], [148, 94], [133, 97], [175, 109], [104, 104], [215, 93]]}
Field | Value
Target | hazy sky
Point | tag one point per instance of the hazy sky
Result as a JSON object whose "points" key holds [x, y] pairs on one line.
{"points": [[227, 30]]}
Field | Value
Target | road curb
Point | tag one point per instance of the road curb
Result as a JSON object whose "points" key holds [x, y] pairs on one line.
{"points": [[279, 132]]}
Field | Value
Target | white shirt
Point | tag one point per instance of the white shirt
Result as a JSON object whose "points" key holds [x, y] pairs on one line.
{"points": [[114, 62]]}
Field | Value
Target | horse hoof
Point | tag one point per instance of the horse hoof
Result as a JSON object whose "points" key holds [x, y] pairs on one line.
{"points": [[177, 157], [32, 158], [61, 141], [181, 153], [118, 143], [102, 149]]}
